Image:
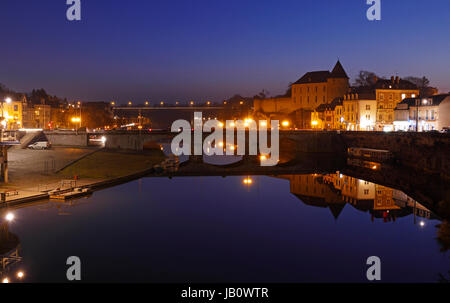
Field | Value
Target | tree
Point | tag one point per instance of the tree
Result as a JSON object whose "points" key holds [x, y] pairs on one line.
{"points": [[420, 82], [365, 78], [423, 84]]}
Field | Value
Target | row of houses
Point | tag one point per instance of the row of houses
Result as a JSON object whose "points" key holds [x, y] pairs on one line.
{"points": [[325, 100], [17, 114]]}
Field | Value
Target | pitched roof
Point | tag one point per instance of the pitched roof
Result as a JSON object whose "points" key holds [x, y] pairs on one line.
{"points": [[324, 75], [314, 77], [338, 71], [329, 106], [436, 100], [389, 84]]}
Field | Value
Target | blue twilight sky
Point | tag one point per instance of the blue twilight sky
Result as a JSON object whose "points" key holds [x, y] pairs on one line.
{"points": [[181, 50]]}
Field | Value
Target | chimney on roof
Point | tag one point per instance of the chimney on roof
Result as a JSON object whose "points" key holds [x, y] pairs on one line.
{"points": [[397, 80], [392, 79]]}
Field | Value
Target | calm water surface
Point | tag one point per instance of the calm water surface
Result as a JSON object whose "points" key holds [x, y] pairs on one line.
{"points": [[303, 228]]}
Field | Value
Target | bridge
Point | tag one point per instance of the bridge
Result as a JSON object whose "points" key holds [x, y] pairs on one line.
{"points": [[161, 117]]}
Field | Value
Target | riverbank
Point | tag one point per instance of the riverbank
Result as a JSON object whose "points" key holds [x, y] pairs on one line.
{"points": [[93, 169]]}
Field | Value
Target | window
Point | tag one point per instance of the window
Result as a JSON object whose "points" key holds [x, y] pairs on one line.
{"points": [[367, 117], [16, 108], [403, 96], [367, 107], [324, 88], [381, 96], [316, 98], [366, 191]]}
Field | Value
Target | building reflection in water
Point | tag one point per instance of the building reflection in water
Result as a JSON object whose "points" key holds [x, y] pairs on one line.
{"points": [[335, 191]]}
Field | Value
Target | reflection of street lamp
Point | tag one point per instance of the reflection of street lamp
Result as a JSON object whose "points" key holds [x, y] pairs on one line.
{"points": [[9, 217]]}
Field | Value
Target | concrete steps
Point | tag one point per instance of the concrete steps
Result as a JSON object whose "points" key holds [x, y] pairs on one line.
{"points": [[27, 139]]}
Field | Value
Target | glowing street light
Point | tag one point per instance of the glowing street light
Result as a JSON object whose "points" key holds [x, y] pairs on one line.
{"points": [[9, 217], [5, 280], [8, 100], [20, 275]]}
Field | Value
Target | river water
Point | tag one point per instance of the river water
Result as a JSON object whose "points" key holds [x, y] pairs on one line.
{"points": [[297, 228]]}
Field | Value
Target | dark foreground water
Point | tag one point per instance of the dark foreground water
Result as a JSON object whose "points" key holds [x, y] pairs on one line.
{"points": [[306, 228]]}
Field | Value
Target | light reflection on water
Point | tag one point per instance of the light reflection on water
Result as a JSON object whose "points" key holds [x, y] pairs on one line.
{"points": [[294, 228]]}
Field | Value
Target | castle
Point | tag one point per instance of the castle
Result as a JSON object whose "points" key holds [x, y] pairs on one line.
{"points": [[307, 93]]}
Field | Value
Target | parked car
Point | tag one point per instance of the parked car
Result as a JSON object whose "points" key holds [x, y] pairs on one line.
{"points": [[40, 145]]}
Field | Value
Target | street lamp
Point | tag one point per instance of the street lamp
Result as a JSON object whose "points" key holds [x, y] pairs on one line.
{"points": [[76, 120]]}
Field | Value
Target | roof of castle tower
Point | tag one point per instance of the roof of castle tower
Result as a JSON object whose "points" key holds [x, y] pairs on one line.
{"points": [[323, 76], [338, 71]]}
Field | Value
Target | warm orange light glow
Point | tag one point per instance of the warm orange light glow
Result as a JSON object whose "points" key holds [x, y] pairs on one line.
{"points": [[248, 181], [76, 119], [314, 123], [285, 123]]}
